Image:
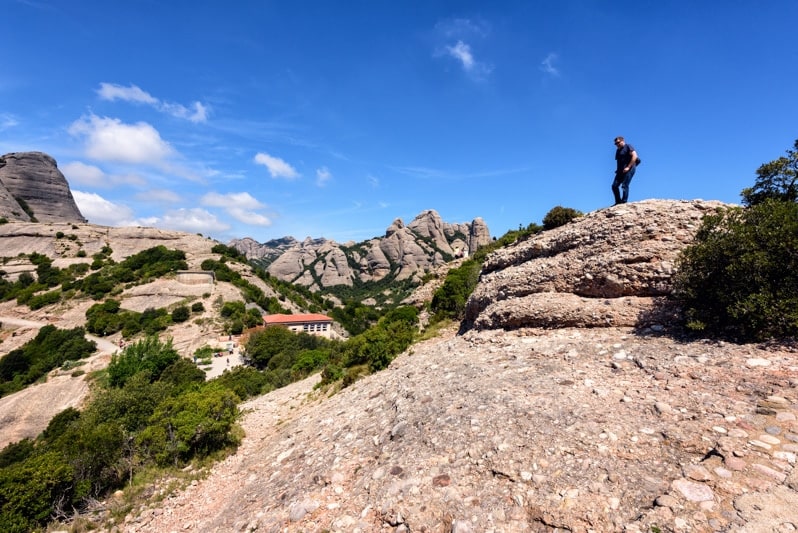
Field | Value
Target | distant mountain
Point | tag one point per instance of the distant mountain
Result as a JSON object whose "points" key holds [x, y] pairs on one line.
{"points": [[32, 189], [405, 252]]}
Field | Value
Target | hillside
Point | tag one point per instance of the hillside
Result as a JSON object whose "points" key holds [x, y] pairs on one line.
{"points": [[591, 421], [569, 401], [26, 413]]}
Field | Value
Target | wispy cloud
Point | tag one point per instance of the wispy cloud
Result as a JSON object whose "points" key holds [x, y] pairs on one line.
{"points": [[7, 121], [163, 196], [323, 175], [79, 173], [196, 112], [462, 52], [549, 65], [455, 38], [276, 166]]}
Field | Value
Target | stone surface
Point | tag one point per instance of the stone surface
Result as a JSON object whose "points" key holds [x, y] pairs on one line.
{"points": [[611, 267], [498, 430], [34, 178]]}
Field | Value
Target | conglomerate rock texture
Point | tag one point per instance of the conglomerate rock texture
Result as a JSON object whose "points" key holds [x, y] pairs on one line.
{"points": [[611, 267]]}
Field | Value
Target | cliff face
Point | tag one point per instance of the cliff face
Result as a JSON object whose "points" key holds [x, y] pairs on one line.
{"points": [[406, 251], [31, 184]]}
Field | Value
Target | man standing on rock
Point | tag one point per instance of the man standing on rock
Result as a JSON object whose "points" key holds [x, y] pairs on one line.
{"points": [[626, 161]]}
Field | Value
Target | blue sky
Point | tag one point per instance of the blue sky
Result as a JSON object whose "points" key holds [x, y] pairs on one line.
{"points": [[265, 119]]}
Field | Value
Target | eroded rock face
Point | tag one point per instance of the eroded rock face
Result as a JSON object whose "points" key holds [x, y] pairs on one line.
{"points": [[611, 267], [34, 178], [407, 251]]}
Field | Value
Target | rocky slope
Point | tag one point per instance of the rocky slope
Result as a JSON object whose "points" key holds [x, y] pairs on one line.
{"points": [[604, 420], [582, 430], [405, 251], [34, 178]]}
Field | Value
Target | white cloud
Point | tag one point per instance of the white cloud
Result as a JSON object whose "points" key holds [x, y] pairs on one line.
{"points": [[323, 175], [277, 167], [242, 200], [249, 217], [373, 180], [77, 172], [100, 211], [112, 92], [193, 220], [108, 139], [548, 65], [240, 205], [83, 174]]}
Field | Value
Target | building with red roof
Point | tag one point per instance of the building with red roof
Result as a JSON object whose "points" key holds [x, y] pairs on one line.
{"points": [[313, 323]]}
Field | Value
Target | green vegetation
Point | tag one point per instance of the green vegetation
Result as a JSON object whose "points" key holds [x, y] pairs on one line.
{"points": [[51, 348], [739, 279], [154, 412], [559, 216]]}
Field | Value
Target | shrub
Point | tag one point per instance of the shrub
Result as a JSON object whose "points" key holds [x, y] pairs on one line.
{"points": [[559, 216], [740, 277], [180, 314], [197, 307], [450, 299], [150, 355]]}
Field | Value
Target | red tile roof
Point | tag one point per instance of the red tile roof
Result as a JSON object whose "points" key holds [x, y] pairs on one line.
{"points": [[295, 319]]}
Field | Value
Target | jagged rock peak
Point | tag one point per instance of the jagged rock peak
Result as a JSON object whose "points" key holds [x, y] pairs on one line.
{"points": [[31, 184], [407, 251]]}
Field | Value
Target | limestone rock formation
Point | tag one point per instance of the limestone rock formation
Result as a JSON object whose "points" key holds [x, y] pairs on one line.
{"points": [[407, 251], [31, 184], [612, 267]]}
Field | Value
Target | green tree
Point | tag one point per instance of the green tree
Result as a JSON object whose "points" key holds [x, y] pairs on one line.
{"points": [[775, 180], [267, 343]]}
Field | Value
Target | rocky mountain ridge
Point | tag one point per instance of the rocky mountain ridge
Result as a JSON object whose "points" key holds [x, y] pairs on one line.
{"points": [[31, 184], [404, 252]]}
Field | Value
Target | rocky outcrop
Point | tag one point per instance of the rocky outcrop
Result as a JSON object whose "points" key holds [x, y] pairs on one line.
{"points": [[407, 252], [611, 267], [32, 186]]}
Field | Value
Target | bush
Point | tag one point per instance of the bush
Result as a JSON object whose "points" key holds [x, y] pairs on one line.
{"points": [[740, 277], [450, 299], [180, 314], [559, 216], [197, 307], [150, 355]]}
